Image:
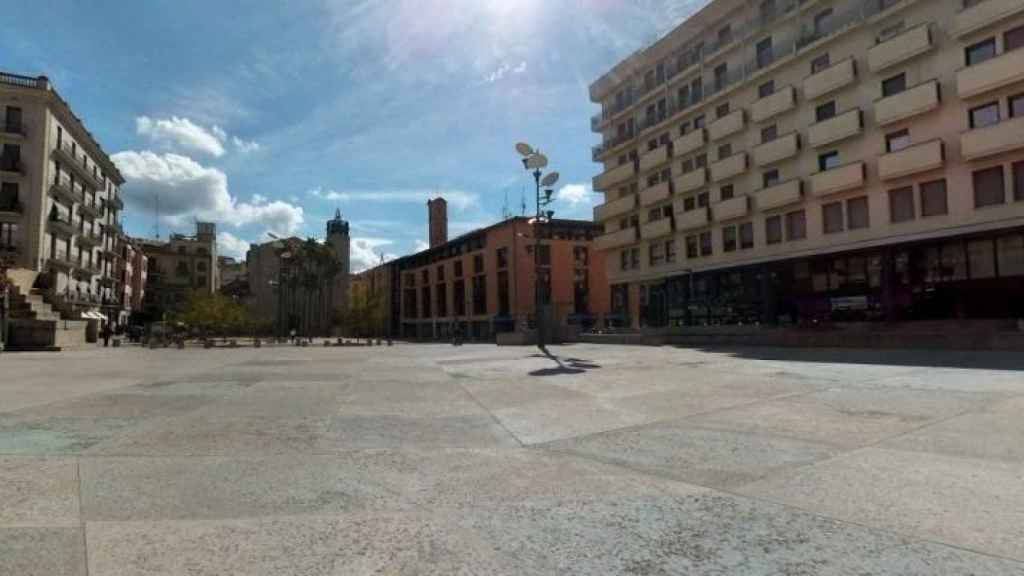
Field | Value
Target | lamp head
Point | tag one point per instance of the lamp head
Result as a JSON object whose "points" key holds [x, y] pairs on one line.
{"points": [[550, 214]]}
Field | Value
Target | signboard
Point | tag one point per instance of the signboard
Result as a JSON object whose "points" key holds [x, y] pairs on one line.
{"points": [[850, 303]]}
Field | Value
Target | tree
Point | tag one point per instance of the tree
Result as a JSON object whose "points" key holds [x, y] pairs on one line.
{"points": [[215, 315], [363, 316]]}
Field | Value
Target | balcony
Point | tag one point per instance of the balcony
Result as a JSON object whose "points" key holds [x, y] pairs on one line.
{"points": [[609, 178], [62, 228], [839, 179], [777, 150], [623, 237], [911, 102], [115, 229], [839, 21], [845, 125], [782, 100], [13, 131], [729, 167], [687, 143], [991, 74], [11, 210], [691, 181], [726, 125], [985, 14], [11, 167], [784, 194], [692, 219], [116, 203], [736, 207], [917, 158], [90, 209], [900, 48], [61, 261], [63, 192], [655, 194], [653, 158], [73, 159], [656, 229], [614, 208], [836, 76], [1002, 137], [90, 240]]}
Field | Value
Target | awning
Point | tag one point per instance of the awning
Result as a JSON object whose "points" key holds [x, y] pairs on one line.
{"points": [[91, 315]]}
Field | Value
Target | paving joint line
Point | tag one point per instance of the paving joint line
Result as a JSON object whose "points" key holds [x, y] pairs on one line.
{"points": [[81, 515]]}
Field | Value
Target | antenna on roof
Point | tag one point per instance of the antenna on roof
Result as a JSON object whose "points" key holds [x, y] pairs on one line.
{"points": [[504, 207], [523, 201], [156, 216]]}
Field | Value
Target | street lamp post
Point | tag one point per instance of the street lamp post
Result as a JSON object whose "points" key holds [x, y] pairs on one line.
{"points": [[534, 161]]}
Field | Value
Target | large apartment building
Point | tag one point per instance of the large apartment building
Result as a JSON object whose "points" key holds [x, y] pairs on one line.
{"points": [[60, 208], [779, 160], [176, 268]]}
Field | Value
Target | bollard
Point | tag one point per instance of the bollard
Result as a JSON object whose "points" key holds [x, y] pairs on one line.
{"points": [[256, 343]]}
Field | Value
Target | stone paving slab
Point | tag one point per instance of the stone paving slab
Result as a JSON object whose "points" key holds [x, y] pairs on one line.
{"points": [[42, 552], [994, 433], [38, 491], [976, 504]]}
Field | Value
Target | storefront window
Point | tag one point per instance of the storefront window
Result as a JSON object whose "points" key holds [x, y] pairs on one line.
{"points": [[982, 258], [875, 271], [901, 269], [954, 262], [857, 274], [838, 273], [819, 275], [1011, 255]]}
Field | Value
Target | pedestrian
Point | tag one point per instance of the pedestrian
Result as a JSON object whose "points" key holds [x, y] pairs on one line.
{"points": [[106, 334]]}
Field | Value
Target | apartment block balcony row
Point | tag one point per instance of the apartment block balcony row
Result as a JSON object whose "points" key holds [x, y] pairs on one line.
{"points": [[62, 191], [62, 228], [91, 209], [985, 14], [992, 74], [12, 167], [89, 239], [71, 159]]}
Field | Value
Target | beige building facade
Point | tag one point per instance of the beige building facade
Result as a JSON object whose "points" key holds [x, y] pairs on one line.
{"points": [[177, 267], [60, 211], [786, 160]]}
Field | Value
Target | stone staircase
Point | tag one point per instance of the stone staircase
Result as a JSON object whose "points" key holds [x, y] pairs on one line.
{"points": [[34, 325]]}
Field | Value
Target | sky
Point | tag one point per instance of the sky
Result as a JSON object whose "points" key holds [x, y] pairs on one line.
{"points": [[269, 116]]}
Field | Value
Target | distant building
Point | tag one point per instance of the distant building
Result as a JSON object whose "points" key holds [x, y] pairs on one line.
{"points": [[483, 282], [177, 267], [231, 270], [60, 210], [293, 294], [131, 281], [437, 217]]}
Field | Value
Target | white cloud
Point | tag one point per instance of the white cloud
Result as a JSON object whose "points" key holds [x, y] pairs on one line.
{"points": [[181, 133], [576, 201], [230, 245], [186, 189], [365, 253], [245, 146], [457, 199], [505, 70], [421, 245]]}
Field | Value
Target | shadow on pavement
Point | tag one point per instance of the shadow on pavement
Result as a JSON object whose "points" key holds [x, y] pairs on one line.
{"points": [[567, 366], [972, 359]]}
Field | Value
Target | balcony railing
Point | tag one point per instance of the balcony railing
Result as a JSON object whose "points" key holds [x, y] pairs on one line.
{"points": [[91, 209], [12, 166], [18, 80], [73, 160], [61, 227], [62, 190], [61, 261], [91, 239], [116, 202], [11, 207], [615, 142], [809, 34]]}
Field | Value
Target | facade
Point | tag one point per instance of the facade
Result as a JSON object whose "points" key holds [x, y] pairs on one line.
{"points": [[178, 267], [124, 288], [375, 286], [60, 204], [817, 160], [483, 281], [289, 288], [140, 273]]}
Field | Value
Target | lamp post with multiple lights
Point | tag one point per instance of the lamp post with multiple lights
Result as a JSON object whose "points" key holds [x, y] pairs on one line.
{"points": [[534, 162]]}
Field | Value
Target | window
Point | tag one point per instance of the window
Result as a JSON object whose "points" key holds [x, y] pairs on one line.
{"points": [[624, 260], [746, 235], [796, 225], [1013, 39], [1016, 106], [439, 273], [701, 161], [891, 31], [825, 111], [832, 216], [458, 268], [656, 254], [767, 89], [544, 258], [901, 204], [696, 90], [897, 141], [201, 266], [705, 243], [773, 229], [60, 137], [726, 192], [691, 246], [828, 160], [1009, 253], [634, 257], [1018, 181], [722, 110], [819, 63], [764, 52], [698, 122], [729, 238], [769, 133], [425, 276], [687, 165], [724, 151], [822, 20], [12, 119], [982, 259], [721, 71], [478, 264], [894, 85], [857, 213], [702, 199], [933, 198], [683, 98], [978, 53], [770, 178], [984, 115], [989, 188], [689, 203], [8, 195], [670, 251], [725, 35]]}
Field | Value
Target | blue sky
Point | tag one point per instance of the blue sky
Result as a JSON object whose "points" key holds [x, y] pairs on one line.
{"points": [[267, 116]]}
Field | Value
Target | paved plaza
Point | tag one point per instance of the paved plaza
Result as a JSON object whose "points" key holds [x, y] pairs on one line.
{"points": [[434, 459]]}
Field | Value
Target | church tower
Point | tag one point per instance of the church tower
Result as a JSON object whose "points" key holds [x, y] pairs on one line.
{"points": [[340, 242]]}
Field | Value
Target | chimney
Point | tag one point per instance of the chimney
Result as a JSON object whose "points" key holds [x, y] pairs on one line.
{"points": [[437, 212]]}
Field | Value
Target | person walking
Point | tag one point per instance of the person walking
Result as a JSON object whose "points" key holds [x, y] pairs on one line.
{"points": [[106, 334]]}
